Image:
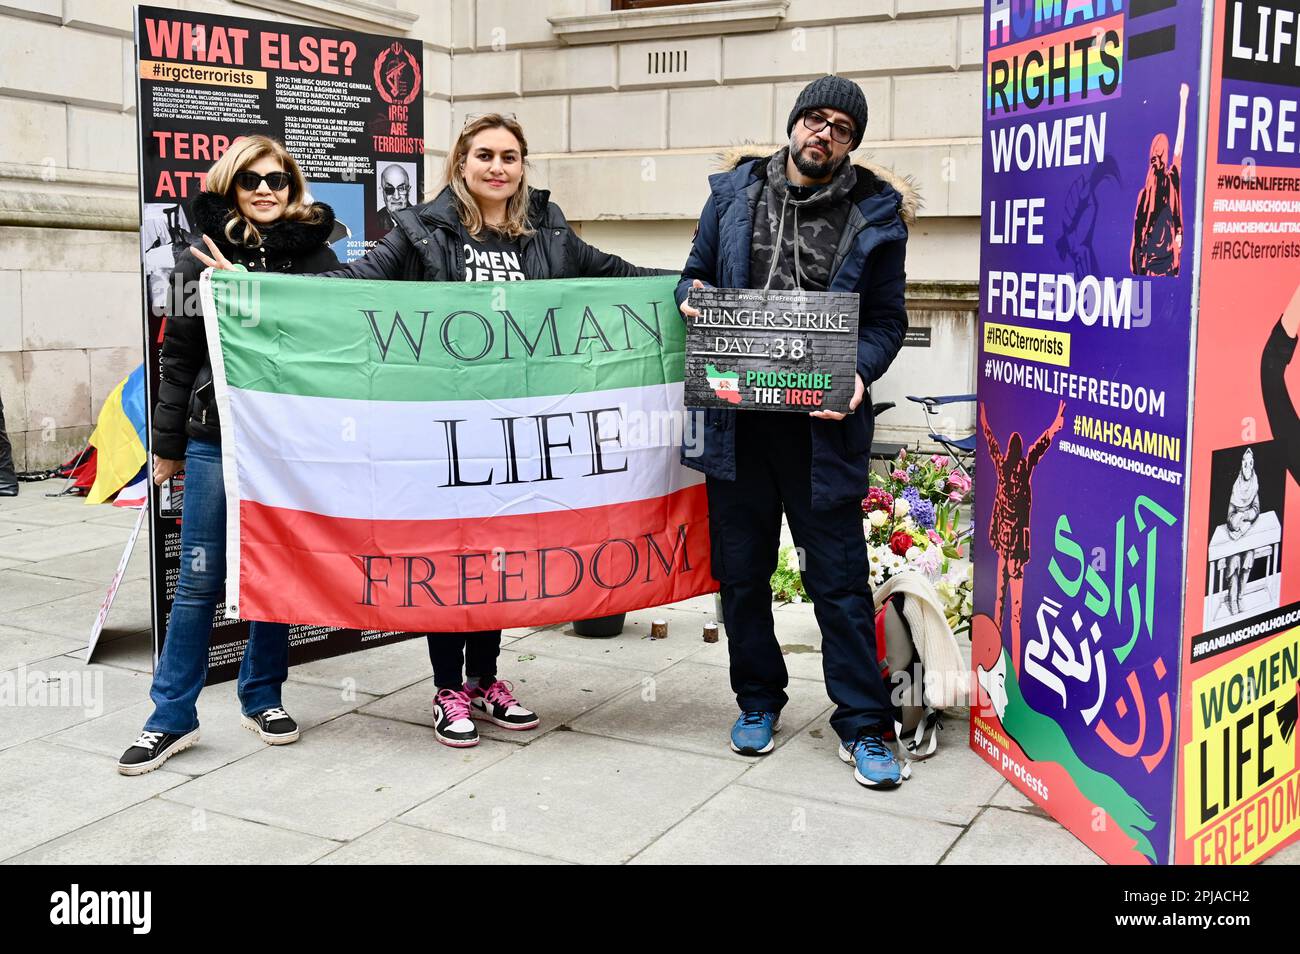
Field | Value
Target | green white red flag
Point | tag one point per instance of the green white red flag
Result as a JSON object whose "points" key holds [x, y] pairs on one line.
{"points": [[452, 456]]}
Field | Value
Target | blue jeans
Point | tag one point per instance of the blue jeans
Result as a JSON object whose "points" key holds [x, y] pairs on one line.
{"points": [[183, 666]]}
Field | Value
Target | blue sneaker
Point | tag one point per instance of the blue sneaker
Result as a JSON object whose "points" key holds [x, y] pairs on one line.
{"points": [[873, 760], [752, 733]]}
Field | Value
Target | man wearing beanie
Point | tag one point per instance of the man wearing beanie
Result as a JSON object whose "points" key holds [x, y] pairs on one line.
{"points": [[803, 217]]}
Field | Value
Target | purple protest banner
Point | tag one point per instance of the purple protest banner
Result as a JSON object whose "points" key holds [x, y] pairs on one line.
{"points": [[1089, 188]]}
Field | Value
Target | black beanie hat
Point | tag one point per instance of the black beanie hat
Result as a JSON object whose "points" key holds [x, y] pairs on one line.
{"points": [[833, 92]]}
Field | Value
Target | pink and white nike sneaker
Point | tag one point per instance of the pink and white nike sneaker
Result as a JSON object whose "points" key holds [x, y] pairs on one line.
{"points": [[499, 706]]}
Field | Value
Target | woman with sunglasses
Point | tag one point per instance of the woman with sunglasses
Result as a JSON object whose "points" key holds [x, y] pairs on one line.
{"points": [[255, 210], [486, 225]]}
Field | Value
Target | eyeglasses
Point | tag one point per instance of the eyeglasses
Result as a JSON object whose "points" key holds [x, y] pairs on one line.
{"points": [[398, 189], [250, 181], [839, 132]]}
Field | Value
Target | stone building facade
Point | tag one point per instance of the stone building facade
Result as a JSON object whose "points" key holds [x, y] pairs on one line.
{"points": [[626, 112]]}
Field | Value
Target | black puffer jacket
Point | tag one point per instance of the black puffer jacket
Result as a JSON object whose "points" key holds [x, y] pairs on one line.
{"points": [[186, 406], [427, 245]]}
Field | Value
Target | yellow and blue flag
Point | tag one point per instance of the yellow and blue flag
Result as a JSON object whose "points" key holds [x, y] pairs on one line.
{"points": [[119, 438]]}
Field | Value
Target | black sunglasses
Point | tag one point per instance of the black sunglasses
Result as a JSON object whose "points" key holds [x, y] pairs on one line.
{"points": [[840, 133], [249, 181]]}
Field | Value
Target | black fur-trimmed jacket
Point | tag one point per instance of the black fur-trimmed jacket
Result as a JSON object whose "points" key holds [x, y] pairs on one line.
{"points": [[186, 406]]}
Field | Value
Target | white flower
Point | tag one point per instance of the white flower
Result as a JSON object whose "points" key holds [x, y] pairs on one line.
{"points": [[878, 518], [929, 562], [913, 554], [901, 506]]}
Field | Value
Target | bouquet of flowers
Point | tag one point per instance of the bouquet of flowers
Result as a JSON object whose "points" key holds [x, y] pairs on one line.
{"points": [[912, 514], [787, 581], [956, 589]]}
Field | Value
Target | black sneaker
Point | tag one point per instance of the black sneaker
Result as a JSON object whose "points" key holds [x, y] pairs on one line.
{"points": [[451, 722], [274, 726], [152, 749]]}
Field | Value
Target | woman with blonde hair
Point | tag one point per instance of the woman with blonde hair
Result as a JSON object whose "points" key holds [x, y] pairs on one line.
{"points": [[254, 209], [486, 225]]}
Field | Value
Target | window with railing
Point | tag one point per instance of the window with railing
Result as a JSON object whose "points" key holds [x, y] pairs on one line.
{"points": [[643, 4], [625, 20]]}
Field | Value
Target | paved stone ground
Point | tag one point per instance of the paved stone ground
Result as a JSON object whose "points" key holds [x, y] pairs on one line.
{"points": [[631, 762]]}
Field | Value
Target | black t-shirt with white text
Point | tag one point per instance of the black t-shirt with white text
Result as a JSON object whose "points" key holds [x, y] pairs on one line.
{"points": [[493, 259]]}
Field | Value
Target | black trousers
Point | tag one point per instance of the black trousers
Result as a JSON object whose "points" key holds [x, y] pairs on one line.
{"points": [[773, 472], [458, 655]]}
